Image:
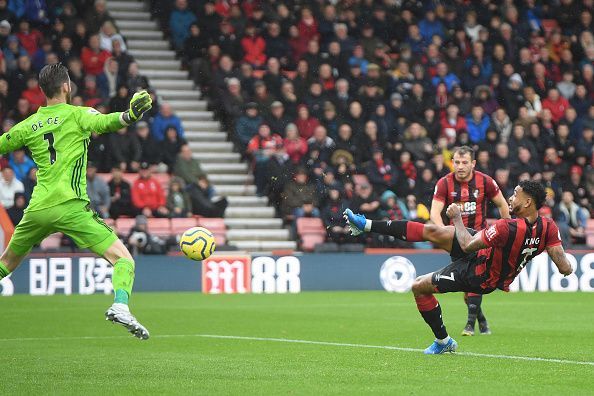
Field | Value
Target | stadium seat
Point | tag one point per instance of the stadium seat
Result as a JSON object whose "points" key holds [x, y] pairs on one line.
{"points": [[124, 225], [180, 225], [217, 227], [590, 233], [130, 177], [159, 227], [163, 179], [309, 224], [311, 232], [310, 241], [52, 242]]}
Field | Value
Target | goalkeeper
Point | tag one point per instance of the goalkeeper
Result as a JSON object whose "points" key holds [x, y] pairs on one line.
{"points": [[58, 137]]}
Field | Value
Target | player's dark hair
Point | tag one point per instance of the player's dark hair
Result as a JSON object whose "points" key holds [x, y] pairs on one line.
{"points": [[51, 78], [463, 150], [536, 191]]}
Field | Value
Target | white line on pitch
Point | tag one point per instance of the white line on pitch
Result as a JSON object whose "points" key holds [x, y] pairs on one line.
{"points": [[308, 342]]}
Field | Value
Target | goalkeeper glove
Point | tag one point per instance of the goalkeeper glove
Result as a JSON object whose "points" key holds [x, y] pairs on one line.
{"points": [[139, 104]]}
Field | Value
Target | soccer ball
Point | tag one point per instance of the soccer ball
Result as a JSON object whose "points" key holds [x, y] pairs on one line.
{"points": [[197, 243]]}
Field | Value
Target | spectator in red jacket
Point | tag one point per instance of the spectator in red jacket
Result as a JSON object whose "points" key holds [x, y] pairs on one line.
{"points": [[33, 93], [452, 122], [295, 145], [261, 148], [93, 57], [556, 103], [147, 195], [308, 27], [305, 123], [253, 47], [29, 38]]}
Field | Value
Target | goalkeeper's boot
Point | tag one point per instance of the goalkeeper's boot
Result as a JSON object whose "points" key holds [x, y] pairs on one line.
{"points": [[437, 349], [468, 330], [355, 221], [120, 314], [484, 328]]}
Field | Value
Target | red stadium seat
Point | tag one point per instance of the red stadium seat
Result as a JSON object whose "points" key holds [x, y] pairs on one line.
{"points": [[309, 241], [309, 225], [163, 179], [130, 178], [159, 227], [124, 225], [217, 227], [180, 225], [52, 242]]}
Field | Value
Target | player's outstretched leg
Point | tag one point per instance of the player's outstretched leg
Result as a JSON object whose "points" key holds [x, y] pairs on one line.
{"points": [[431, 312], [123, 280], [9, 261]]}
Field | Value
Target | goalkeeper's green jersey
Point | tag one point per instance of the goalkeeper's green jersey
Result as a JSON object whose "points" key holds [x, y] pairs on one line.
{"points": [[58, 137]]}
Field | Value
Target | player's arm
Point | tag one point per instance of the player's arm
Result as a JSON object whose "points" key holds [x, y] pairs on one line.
{"points": [[93, 121], [438, 203], [468, 242], [11, 140], [557, 254], [501, 203]]}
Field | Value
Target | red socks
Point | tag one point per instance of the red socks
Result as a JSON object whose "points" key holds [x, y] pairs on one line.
{"points": [[426, 302], [414, 231]]}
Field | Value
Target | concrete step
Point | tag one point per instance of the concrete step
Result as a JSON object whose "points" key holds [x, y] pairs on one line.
{"points": [[226, 179], [212, 169], [236, 190], [149, 44], [195, 115], [247, 200], [136, 15], [121, 5], [176, 94], [131, 24], [264, 246], [164, 74], [181, 105], [180, 84], [202, 125], [252, 223], [258, 235], [142, 35], [205, 136], [217, 158], [149, 55], [159, 64], [234, 212], [211, 147]]}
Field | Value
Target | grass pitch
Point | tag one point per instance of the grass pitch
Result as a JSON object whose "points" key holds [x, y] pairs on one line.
{"points": [[62, 345]]}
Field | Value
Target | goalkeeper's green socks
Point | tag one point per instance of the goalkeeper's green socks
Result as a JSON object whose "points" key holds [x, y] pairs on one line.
{"points": [[4, 272], [123, 280]]}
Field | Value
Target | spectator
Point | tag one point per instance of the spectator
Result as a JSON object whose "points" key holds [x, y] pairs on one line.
{"points": [[150, 152], [125, 150], [180, 20], [332, 215], [305, 123], [556, 104], [261, 148], [136, 81], [452, 123], [321, 142], [186, 166], [277, 120], [123, 58], [366, 201], [165, 120], [9, 186], [120, 194], [96, 16], [203, 199], [17, 211], [254, 47], [108, 35], [171, 147], [121, 101], [444, 76], [577, 187], [295, 146], [148, 197], [477, 123], [21, 164], [33, 94], [232, 102], [30, 183], [417, 142], [109, 80], [297, 192], [29, 38], [178, 201], [574, 217], [382, 173], [247, 126], [98, 192], [93, 57], [140, 241]]}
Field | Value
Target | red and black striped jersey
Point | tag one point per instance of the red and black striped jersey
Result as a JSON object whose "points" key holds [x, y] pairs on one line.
{"points": [[471, 196], [512, 244]]}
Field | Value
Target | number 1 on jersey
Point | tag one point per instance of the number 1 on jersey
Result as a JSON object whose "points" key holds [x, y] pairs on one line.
{"points": [[50, 145]]}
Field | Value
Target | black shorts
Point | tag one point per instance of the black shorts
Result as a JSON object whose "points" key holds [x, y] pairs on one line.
{"points": [[465, 274], [457, 252]]}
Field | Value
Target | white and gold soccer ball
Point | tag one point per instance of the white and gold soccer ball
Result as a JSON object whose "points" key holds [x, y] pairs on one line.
{"points": [[197, 243]]}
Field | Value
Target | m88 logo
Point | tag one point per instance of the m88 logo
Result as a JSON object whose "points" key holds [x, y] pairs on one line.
{"points": [[467, 207]]}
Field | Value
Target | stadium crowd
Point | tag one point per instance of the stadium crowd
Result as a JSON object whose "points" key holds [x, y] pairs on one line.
{"points": [[314, 92], [317, 93], [82, 35]]}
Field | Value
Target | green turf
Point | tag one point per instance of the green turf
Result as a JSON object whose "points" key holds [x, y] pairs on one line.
{"points": [[544, 325]]}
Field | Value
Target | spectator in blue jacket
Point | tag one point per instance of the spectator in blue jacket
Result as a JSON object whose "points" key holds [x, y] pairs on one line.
{"points": [[165, 119], [430, 26], [443, 75], [179, 23], [21, 164], [247, 125], [477, 123]]}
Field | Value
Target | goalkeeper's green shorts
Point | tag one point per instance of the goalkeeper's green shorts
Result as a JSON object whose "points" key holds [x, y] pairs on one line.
{"points": [[74, 218]]}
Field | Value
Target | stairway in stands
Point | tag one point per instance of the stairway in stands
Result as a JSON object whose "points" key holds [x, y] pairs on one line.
{"points": [[251, 223]]}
